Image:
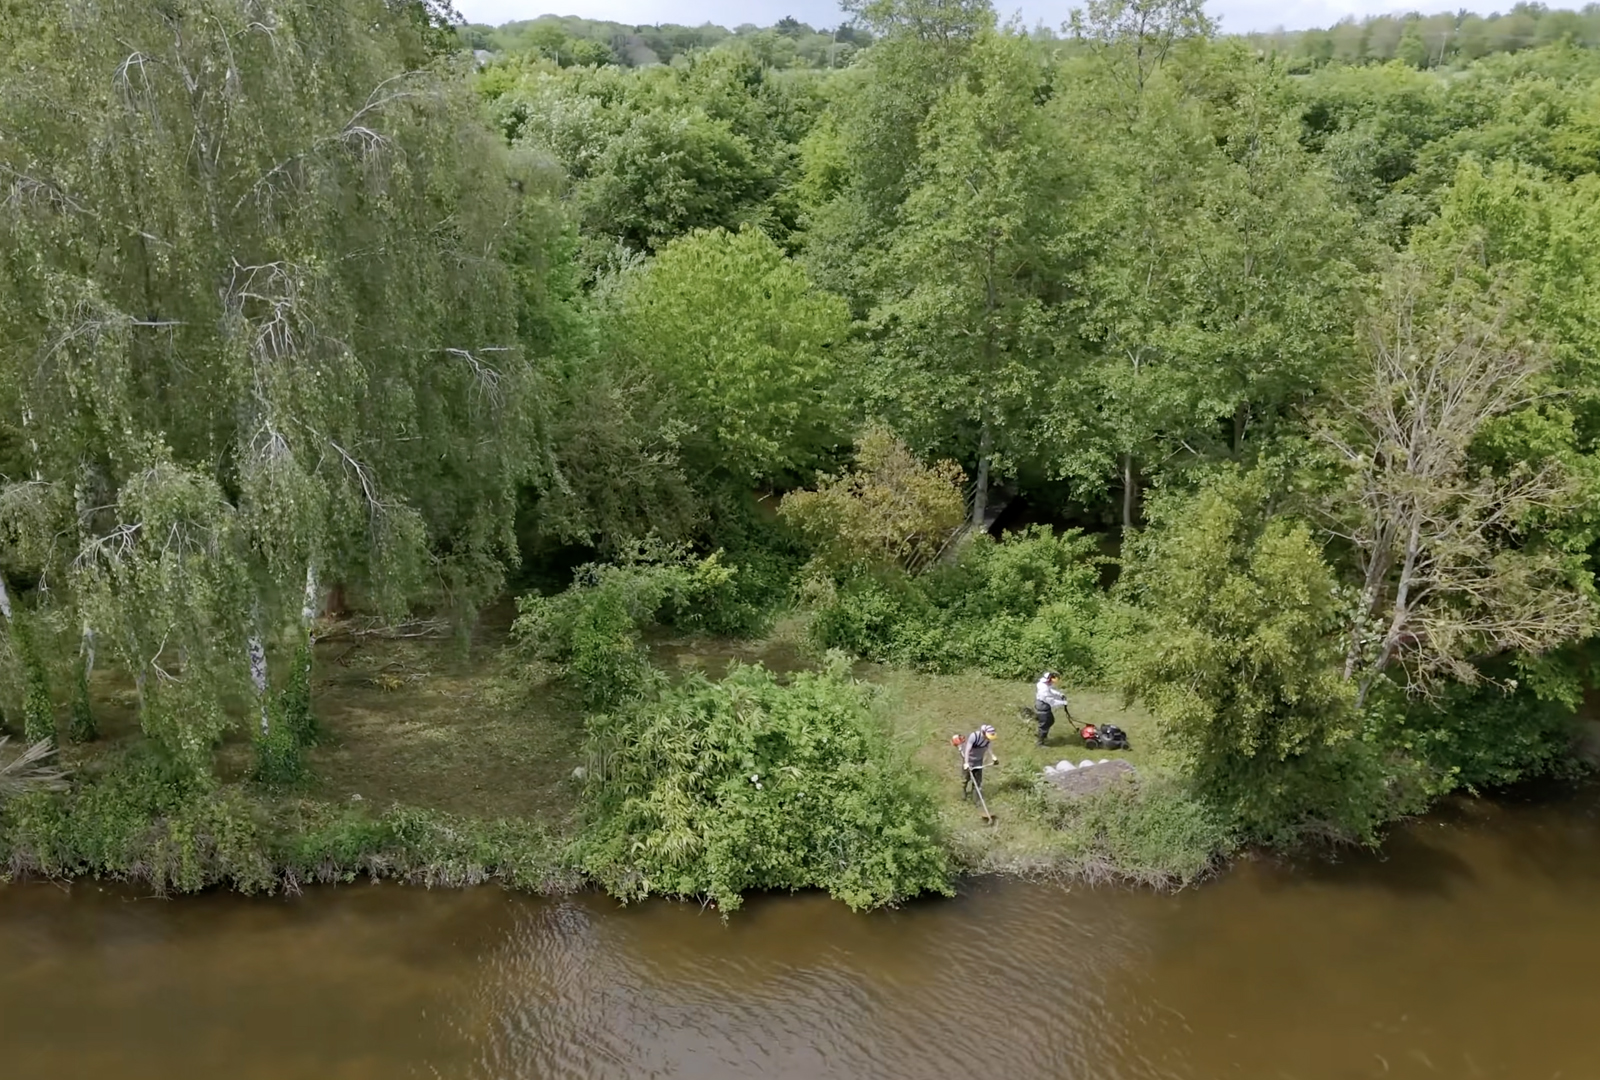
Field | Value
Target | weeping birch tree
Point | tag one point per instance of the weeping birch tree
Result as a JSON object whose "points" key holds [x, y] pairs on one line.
{"points": [[256, 334]]}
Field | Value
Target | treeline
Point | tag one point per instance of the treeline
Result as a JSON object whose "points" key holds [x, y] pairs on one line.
{"points": [[1431, 41], [569, 40], [1446, 39], [301, 306]]}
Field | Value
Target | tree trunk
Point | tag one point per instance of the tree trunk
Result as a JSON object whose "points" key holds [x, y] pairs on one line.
{"points": [[1130, 489], [82, 727], [258, 679], [308, 605], [980, 494], [1241, 421]]}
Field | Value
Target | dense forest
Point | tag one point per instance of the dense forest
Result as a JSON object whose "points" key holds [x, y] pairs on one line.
{"points": [[1260, 392]]}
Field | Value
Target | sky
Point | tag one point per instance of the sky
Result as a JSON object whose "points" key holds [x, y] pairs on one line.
{"points": [[1236, 16]]}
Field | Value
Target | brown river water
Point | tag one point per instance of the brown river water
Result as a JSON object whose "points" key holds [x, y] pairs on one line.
{"points": [[1469, 948]]}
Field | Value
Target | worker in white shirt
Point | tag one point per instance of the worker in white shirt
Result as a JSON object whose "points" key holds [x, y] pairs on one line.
{"points": [[1046, 695]]}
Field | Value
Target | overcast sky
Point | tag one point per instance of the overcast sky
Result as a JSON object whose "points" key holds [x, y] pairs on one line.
{"points": [[1235, 15]]}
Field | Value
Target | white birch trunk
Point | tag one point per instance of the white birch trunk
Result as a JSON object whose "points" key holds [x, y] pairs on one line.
{"points": [[308, 608], [258, 671]]}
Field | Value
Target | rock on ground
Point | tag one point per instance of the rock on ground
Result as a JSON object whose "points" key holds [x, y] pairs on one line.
{"points": [[1087, 779]]}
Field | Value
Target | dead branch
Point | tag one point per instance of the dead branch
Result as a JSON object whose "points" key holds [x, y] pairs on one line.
{"points": [[1448, 570]]}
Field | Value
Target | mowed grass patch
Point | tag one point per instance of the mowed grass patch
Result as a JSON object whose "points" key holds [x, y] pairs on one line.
{"points": [[925, 710], [422, 723]]}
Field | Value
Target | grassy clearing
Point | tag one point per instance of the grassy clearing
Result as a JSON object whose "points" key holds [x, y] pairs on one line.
{"points": [[925, 710], [421, 724]]}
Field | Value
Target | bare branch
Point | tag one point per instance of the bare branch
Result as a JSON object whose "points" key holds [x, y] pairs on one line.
{"points": [[1447, 574]]}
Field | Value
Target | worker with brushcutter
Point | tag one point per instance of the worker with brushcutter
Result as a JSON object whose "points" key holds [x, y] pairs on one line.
{"points": [[973, 752]]}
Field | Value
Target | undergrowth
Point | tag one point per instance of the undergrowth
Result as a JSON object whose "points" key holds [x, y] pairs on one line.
{"points": [[147, 822], [714, 789], [1152, 832], [1010, 609]]}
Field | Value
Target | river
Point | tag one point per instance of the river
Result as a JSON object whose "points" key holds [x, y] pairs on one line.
{"points": [[1470, 948]]}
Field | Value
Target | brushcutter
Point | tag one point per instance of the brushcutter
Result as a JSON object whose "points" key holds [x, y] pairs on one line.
{"points": [[966, 769]]}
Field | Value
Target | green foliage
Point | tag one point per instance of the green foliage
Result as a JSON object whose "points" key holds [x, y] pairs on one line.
{"points": [[654, 155], [1448, 39], [294, 700], [592, 630], [269, 279], [1478, 737], [892, 510], [1241, 659], [148, 820], [968, 300], [280, 760], [768, 553], [319, 843], [717, 789], [1011, 609], [81, 726], [38, 711], [1153, 831], [745, 344]]}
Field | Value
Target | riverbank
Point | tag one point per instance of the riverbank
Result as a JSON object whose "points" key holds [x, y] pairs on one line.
{"points": [[440, 765]]}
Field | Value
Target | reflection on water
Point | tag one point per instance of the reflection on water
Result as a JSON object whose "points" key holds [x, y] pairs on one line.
{"points": [[1469, 950]]}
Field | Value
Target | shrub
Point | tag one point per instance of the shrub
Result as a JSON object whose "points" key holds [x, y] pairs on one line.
{"points": [[294, 700], [425, 847], [1476, 737], [714, 789], [1241, 658], [891, 511], [592, 631], [38, 711], [279, 755], [81, 727], [1011, 609], [767, 552], [1154, 831], [150, 820]]}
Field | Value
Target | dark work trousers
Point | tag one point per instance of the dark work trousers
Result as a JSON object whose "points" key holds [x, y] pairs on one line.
{"points": [[973, 777], [1046, 718]]}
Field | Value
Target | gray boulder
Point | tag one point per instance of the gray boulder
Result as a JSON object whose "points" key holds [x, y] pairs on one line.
{"points": [[1089, 777]]}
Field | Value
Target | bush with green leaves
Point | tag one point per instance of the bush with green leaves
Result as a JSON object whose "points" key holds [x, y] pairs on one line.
{"points": [[149, 819], [81, 726], [592, 632], [1498, 732], [1241, 660], [1011, 609], [715, 789], [280, 757]]}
